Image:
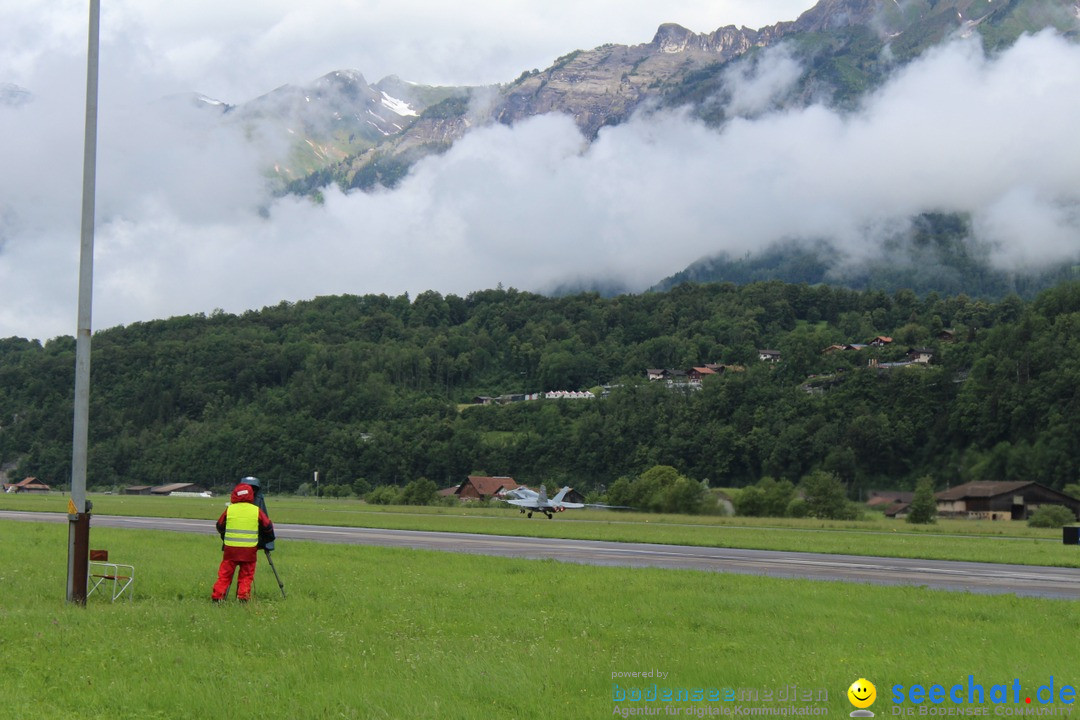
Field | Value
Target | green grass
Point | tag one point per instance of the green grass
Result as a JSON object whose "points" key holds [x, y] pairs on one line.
{"points": [[389, 633], [977, 541]]}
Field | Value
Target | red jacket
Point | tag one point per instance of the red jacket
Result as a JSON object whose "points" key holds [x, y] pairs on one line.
{"points": [[245, 493]]}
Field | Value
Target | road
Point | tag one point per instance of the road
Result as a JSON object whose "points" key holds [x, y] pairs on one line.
{"points": [[991, 578]]}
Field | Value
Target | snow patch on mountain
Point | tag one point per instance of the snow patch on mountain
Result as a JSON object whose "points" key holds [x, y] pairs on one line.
{"points": [[399, 106]]}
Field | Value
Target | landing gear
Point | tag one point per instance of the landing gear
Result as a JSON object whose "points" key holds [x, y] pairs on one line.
{"points": [[529, 515], [549, 515]]}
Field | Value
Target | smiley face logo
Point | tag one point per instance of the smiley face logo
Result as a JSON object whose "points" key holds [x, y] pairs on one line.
{"points": [[862, 693]]}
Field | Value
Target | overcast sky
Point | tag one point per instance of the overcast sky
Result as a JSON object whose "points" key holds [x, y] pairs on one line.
{"points": [[185, 224]]}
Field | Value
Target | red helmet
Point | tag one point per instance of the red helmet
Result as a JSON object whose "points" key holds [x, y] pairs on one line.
{"points": [[242, 493]]}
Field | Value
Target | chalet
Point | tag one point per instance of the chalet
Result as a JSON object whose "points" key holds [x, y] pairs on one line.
{"points": [[769, 355], [920, 355], [656, 373], [947, 336], [480, 487], [1000, 500], [27, 485], [696, 374], [881, 341]]}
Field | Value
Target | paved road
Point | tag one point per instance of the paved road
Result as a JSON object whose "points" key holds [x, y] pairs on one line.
{"points": [[942, 574]]}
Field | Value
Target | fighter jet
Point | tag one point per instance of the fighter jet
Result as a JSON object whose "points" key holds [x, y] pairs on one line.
{"points": [[530, 501]]}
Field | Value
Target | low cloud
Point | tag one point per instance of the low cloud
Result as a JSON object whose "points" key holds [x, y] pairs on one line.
{"points": [[186, 223], [763, 83]]}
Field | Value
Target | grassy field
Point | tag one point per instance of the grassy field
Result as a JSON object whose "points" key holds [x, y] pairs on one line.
{"points": [[388, 633], [979, 541]]}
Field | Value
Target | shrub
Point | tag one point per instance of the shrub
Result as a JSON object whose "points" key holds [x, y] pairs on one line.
{"points": [[419, 492], [797, 508], [1051, 516], [769, 498], [659, 489], [384, 495]]}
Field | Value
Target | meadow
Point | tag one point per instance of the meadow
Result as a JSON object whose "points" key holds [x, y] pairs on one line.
{"points": [[389, 633]]}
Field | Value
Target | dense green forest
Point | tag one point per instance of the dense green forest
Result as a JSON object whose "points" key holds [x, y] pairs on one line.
{"points": [[379, 390]]}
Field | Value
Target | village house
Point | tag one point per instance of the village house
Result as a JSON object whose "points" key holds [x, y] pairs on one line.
{"points": [[920, 355], [696, 374]]}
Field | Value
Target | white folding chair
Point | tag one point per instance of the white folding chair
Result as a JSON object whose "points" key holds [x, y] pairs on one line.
{"points": [[103, 571]]}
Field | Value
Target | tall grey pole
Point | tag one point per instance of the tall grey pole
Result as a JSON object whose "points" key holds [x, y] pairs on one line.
{"points": [[78, 508]]}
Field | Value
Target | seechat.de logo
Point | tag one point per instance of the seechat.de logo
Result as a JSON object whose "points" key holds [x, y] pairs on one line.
{"points": [[862, 695]]}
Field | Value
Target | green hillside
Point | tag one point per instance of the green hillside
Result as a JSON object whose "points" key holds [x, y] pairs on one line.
{"points": [[368, 388]]}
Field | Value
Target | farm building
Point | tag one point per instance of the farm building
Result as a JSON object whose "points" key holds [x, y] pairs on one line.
{"points": [[480, 487], [27, 485], [1000, 500]]}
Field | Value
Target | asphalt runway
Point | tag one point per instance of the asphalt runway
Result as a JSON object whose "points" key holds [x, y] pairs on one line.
{"points": [[992, 578]]}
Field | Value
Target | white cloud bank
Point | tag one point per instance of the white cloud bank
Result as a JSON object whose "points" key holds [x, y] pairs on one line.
{"points": [[180, 227]]}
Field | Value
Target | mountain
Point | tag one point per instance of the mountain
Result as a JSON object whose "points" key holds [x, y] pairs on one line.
{"points": [[936, 257], [846, 47], [336, 117]]}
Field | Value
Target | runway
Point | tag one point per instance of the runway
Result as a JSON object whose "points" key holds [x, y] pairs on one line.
{"points": [[991, 578]]}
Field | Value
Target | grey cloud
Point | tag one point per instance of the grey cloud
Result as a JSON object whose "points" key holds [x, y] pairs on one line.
{"points": [[534, 205]]}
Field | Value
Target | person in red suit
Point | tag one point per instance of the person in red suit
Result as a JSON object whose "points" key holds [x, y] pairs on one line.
{"points": [[244, 528]]}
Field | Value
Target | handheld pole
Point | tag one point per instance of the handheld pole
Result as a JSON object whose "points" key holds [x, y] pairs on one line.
{"points": [[280, 584]]}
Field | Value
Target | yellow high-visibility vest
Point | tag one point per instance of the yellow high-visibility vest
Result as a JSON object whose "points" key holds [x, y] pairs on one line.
{"points": [[242, 525]]}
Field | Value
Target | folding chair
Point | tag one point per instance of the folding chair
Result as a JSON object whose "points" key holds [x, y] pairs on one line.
{"points": [[101, 571]]}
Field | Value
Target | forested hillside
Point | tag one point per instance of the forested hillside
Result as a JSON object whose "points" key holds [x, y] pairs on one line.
{"points": [[379, 389]]}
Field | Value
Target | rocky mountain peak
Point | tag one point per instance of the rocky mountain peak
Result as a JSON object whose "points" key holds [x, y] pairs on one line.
{"points": [[673, 38]]}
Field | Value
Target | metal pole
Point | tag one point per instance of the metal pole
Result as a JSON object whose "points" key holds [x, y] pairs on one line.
{"points": [[281, 585], [79, 525]]}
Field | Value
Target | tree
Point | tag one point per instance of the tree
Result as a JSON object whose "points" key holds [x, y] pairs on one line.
{"points": [[826, 498], [384, 495], [769, 498], [923, 508], [659, 489], [419, 492]]}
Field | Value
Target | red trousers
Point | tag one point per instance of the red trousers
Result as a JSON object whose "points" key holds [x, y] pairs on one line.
{"points": [[225, 576]]}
